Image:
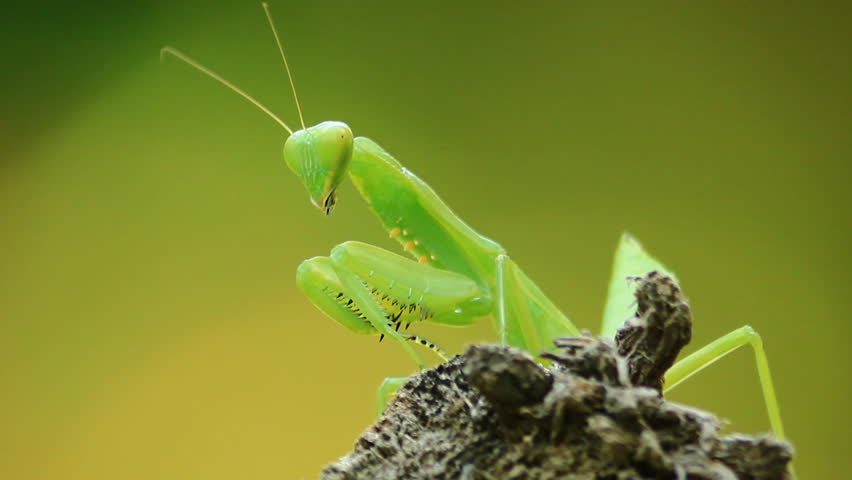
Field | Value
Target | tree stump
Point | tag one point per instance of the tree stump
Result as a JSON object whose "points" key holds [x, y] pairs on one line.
{"points": [[596, 412]]}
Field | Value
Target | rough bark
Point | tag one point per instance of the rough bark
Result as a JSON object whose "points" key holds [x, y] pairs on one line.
{"points": [[596, 412]]}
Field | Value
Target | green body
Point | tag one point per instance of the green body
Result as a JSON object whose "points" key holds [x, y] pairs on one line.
{"points": [[454, 275]]}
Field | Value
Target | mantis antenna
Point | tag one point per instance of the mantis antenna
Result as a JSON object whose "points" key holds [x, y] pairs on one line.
{"points": [[286, 65], [224, 82]]}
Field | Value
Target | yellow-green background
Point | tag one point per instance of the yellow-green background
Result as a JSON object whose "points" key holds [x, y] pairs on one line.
{"points": [[150, 326]]}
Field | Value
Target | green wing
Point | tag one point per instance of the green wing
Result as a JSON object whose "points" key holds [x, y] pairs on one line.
{"points": [[631, 260]]}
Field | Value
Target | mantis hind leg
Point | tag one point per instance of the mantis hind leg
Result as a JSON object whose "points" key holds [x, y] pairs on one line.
{"points": [[717, 349]]}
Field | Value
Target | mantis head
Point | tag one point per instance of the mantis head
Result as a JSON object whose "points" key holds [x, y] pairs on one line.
{"points": [[319, 156]]}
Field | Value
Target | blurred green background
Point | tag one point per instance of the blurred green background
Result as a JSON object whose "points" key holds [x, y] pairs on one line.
{"points": [[150, 326]]}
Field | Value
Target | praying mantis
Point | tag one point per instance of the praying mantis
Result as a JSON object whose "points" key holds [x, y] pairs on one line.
{"points": [[455, 275]]}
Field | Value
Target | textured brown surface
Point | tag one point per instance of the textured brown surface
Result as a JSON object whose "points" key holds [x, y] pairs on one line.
{"points": [[661, 327], [494, 413]]}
